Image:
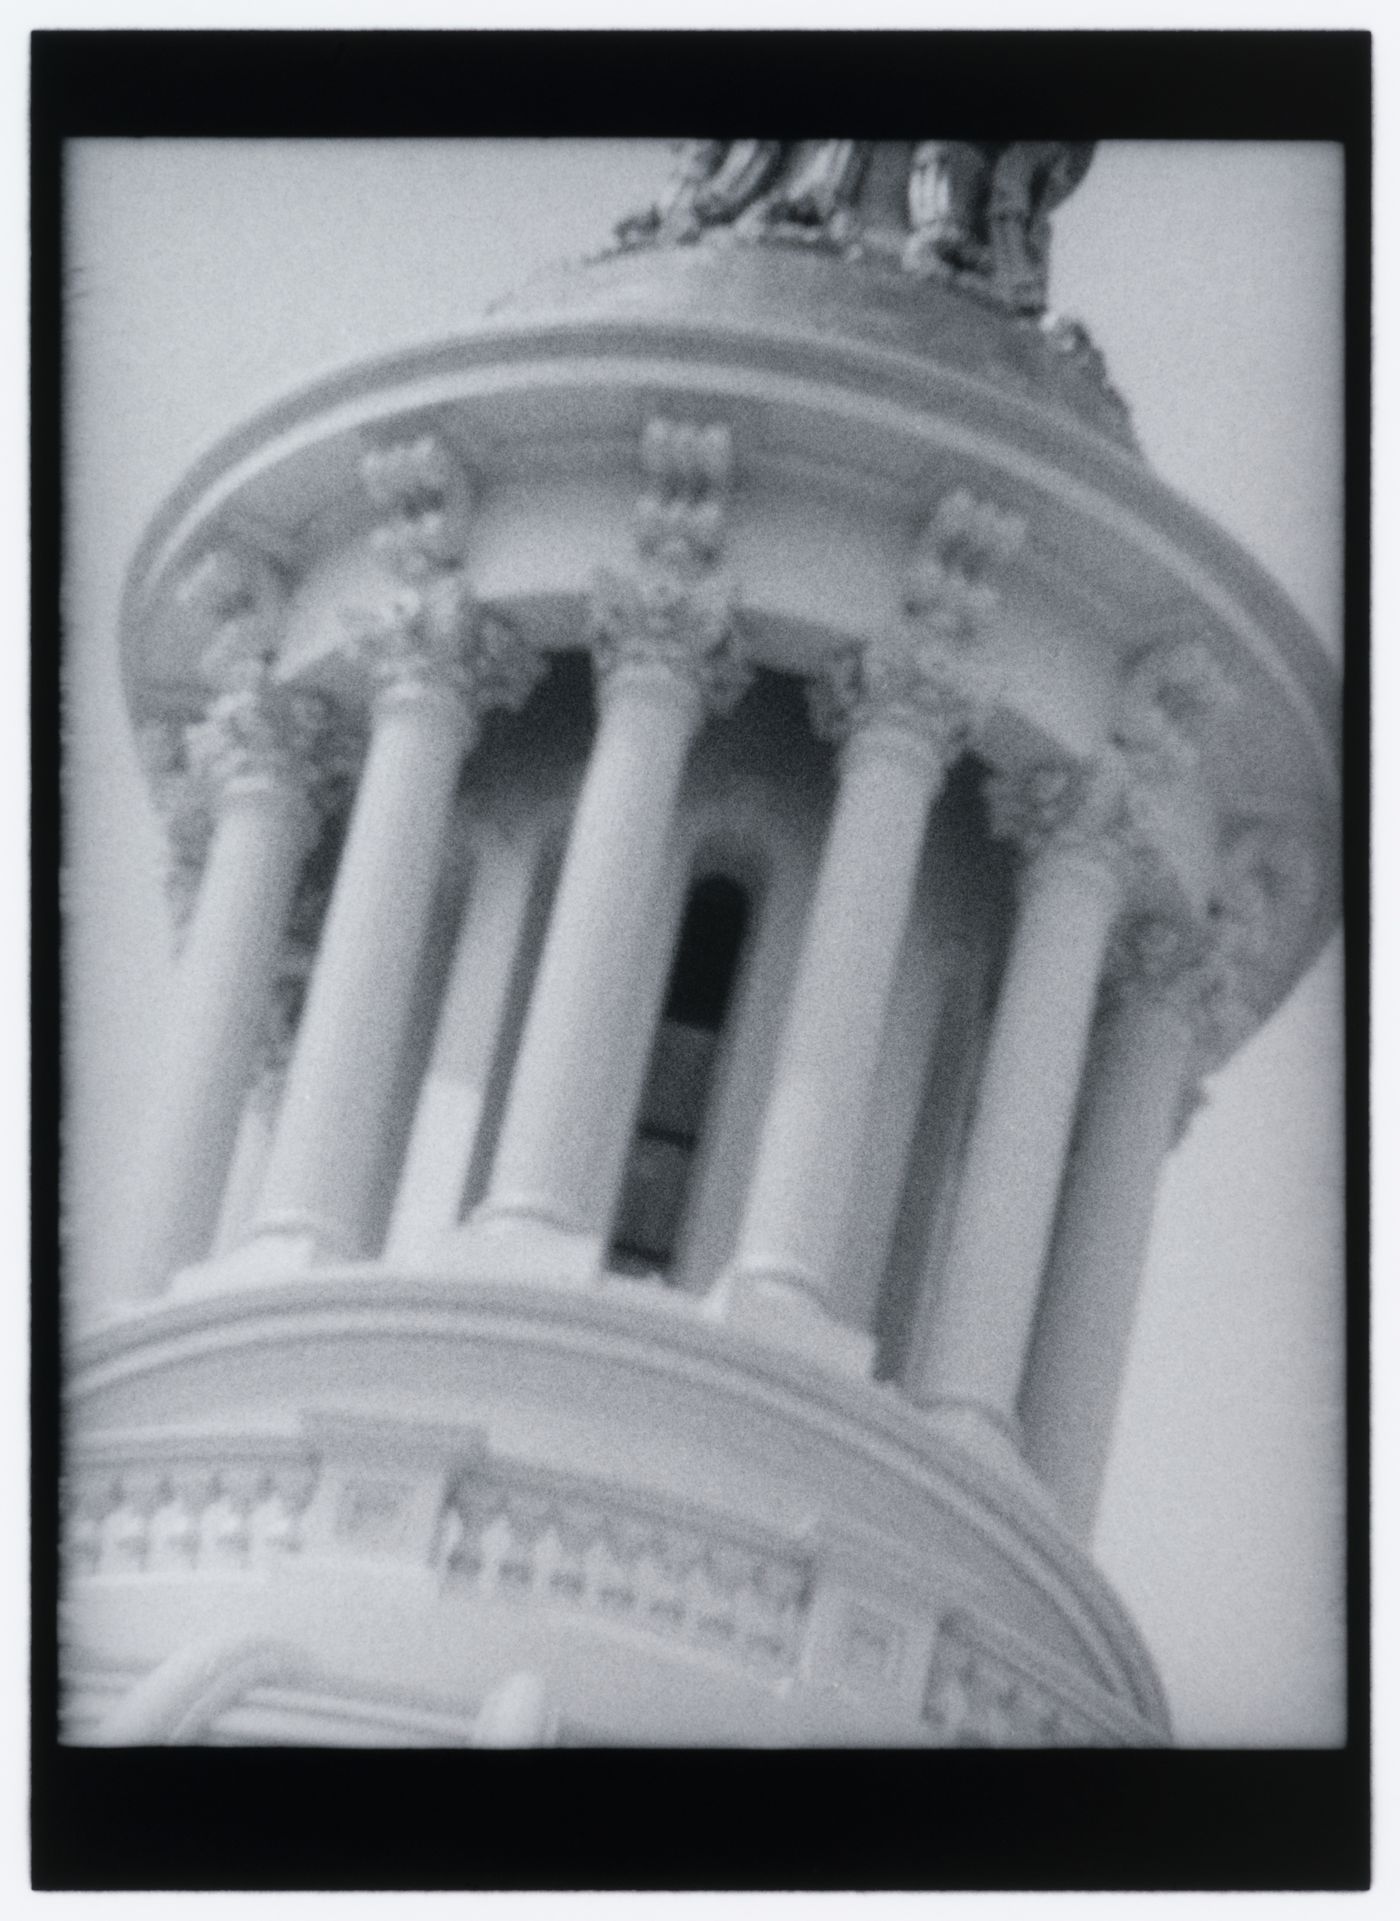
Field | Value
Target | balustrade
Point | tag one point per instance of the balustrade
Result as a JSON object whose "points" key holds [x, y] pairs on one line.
{"points": [[601, 1557]]}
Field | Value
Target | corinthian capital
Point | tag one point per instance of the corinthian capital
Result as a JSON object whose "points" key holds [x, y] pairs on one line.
{"points": [[435, 639], [259, 729], [1086, 810], [898, 681], [1182, 963], [260, 733], [1220, 971], [423, 499], [654, 618], [950, 585]]}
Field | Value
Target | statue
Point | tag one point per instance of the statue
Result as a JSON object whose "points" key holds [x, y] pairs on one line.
{"points": [[983, 208], [977, 209]]}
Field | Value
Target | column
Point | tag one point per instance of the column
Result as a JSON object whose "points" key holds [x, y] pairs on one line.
{"points": [[661, 638], [460, 1085], [906, 723], [1072, 887], [254, 754], [437, 667], [1130, 1109], [565, 1124]]}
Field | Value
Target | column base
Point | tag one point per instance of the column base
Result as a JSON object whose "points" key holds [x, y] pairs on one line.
{"points": [[773, 1310], [273, 1251], [510, 1245], [992, 1438]]}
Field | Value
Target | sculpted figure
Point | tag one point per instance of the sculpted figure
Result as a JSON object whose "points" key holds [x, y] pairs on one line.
{"points": [[983, 207], [823, 181], [980, 208], [715, 180], [744, 168]]}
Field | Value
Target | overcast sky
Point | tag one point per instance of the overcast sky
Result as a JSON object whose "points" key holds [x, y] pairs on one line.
{"points": [[207, 278]]}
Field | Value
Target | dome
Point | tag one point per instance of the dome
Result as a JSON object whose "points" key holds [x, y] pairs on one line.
{"points": [[871, 308]]}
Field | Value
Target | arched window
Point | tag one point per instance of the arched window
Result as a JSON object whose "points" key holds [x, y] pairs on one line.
{"points": [[660, 1165]]}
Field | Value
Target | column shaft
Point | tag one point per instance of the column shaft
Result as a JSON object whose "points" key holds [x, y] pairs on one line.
{"points": [[475, 1012], [342, 1072], [563, 1124], [809, 1153], [220, 1003], [1131, 1103], [251, 1148], [985, 1300]]}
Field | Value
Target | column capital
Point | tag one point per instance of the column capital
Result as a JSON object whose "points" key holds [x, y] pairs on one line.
{"points": [[653, 620], [1180, 963], [1084, 812], [258, 740], [259, 731], [673, 612], [898, 684], [1218, 971], [433, 640]]}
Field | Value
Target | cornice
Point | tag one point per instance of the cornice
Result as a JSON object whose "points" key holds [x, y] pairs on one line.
{"points": [[907, 403]]}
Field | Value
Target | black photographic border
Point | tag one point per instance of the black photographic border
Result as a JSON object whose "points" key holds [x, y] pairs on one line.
{"points": [[294, 1819]]}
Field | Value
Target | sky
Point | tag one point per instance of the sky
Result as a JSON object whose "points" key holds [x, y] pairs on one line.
{"points": [[208, 278]]}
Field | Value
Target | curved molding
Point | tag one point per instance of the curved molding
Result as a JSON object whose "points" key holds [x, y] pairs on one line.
{"points": [[907, 401], [813, 419], [666, 1349]]}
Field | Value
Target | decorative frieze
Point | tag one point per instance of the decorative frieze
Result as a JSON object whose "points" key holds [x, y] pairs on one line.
{"points": [[674, 609]]}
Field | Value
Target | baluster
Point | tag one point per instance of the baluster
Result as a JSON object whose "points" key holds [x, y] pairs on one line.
{"points": [[126, 1530], [93, 1500], [174, 1538]]}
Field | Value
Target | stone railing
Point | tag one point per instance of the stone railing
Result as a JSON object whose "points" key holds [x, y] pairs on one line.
{"points": [[510, 1533], [170, 1503], [618, 1555]]}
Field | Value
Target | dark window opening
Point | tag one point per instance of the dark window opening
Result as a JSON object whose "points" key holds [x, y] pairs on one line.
{"points": [[656, 1182]]}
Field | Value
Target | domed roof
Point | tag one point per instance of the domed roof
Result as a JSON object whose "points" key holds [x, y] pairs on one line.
{"points": [[937, 251]]}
